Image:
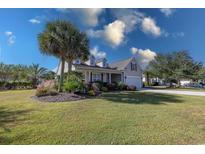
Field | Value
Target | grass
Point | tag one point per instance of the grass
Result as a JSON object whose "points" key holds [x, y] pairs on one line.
{"points": [[114, 118]]}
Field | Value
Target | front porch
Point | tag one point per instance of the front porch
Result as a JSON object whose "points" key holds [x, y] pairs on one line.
{"points": [[92, 74]]}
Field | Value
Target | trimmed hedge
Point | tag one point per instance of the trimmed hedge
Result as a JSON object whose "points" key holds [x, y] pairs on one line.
{"points": [[5, 85]]}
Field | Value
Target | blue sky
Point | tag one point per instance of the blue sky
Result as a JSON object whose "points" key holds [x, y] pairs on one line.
{"points": [[114, 33]]}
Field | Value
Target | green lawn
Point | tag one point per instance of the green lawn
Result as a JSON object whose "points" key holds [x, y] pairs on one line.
{"points": [[115, 118]]}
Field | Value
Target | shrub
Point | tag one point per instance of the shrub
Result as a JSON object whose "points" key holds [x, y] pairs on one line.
{"points": [[87, 86], [73, 86], [91, 93], [145, 84], [104, 89], [96, 86], [74, 82], [112, 86], [75, 76], [46, 88], [2, 84], [45, 92], [8, 85], [99, 83], [131, 88], [41, 91], [105, 84], [52, 92], [15, 85], [122, 86], [155, 84]]}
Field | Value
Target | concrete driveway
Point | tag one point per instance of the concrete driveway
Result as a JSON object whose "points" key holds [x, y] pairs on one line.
{"points": [[165, 91]]}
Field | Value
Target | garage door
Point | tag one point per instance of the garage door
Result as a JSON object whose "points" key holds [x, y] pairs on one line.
{"points": [[133, 80]]}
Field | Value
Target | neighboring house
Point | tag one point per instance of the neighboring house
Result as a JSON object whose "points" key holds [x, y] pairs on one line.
{"points": [[127, 71], [153, 80], [185, 82]]}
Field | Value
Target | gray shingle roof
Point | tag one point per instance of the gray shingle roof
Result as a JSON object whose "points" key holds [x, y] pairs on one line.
{"points": [[100, 60], [120, 65]]}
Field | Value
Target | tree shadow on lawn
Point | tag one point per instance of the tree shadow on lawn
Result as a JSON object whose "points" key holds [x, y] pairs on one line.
{"points": [[141, 98], [9, 118]]}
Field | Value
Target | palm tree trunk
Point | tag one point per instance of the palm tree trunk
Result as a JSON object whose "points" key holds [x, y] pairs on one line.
{"points": [[61, 74], [69, 68], [34, 83], [147, 78]]}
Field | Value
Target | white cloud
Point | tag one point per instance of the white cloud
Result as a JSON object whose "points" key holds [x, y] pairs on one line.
{"points": [[167, 12], [34, 21], [126, 21], [133, 50], [89, 16], [10, 37], [133, 18], [130, 17], [94, 33], [98, 54], [149, 27], [113, 33], [8, 33], [143, 56]]}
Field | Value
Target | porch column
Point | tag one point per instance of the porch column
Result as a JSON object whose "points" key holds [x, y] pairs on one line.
{"points": [[110, 78], [122, 77], [89, 76], [85, 76], [105, 77]]}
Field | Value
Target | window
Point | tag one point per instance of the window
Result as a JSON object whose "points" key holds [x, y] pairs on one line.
{"points": [[96, 77], [133, 67], [77, 61]]}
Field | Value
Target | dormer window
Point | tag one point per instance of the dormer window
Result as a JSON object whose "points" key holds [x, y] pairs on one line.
{"points": [[133, 67], [77, 61], [91, 61], [101, 62]]}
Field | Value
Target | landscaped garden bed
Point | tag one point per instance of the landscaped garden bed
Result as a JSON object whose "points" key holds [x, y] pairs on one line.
{"points": [[61, 97], [75, 89]]}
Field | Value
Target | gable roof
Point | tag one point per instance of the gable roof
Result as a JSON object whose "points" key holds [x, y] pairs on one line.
{"points": [[100, 60], [120, 65]]}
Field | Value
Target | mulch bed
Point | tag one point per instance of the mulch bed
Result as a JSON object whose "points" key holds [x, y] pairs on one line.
{"points": [[61, 97]]}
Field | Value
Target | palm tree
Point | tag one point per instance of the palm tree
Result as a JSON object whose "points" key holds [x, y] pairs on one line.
{"points": [[35, 73], [50, 75], [62, 40]]}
